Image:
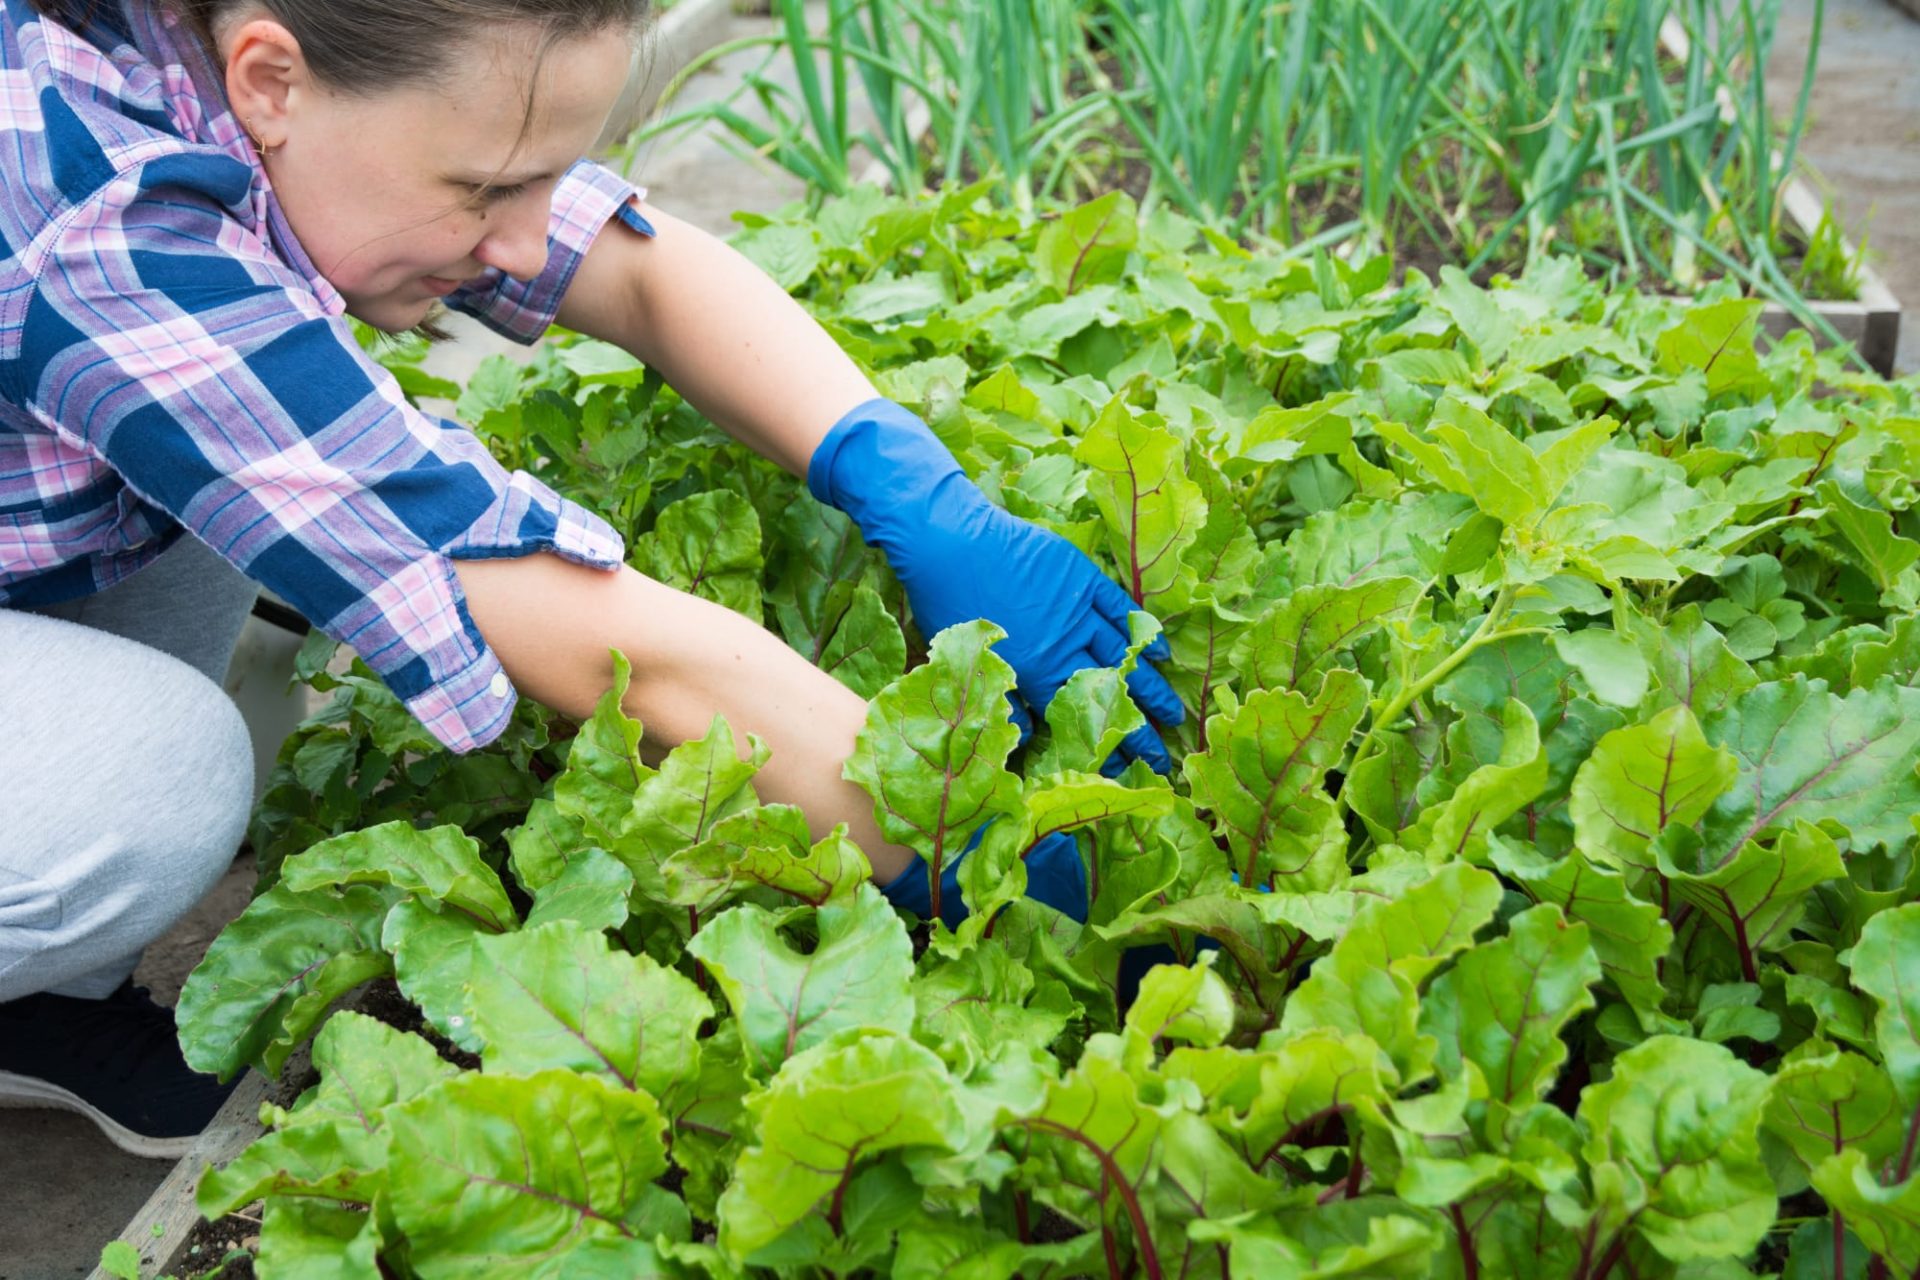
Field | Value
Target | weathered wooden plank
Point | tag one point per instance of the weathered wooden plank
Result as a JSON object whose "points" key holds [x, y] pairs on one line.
{"points": [[159, 1231]]}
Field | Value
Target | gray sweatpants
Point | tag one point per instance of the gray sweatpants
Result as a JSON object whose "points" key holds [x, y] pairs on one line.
{"points": [[126, 773]]}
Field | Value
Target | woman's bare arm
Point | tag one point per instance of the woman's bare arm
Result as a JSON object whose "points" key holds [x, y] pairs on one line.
{"points": [[552, 623]]}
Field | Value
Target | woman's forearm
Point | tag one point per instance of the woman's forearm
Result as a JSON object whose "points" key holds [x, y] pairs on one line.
{"points": [[721, 333], [552, 623]]}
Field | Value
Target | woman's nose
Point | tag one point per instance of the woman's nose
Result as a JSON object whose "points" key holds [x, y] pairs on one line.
{"points": [[516, 239]]}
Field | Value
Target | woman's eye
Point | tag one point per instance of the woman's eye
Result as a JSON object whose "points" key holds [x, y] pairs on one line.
{"points": [[496, 195]]}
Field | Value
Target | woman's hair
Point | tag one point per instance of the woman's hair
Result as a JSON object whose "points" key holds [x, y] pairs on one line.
{"points": [[366, 46]]}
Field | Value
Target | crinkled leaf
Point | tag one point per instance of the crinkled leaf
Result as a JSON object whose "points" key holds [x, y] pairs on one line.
{"points": [[271, 974], [430, 951], [555, 996], [829, 1109], [1261, 777], [442, 863], [1886, 965], [786, 1001], [1630, 937], [1503, 1004], [708, 545], [1366, 984], [766, 847], [1756, 895], [1826, 1100], [1807, 753], [544, 1176], [591, 891], [1459, 826], [934, 748], [1643, 778], [1886, 1218], [1151, 512], [1292, 645], [317, 1241], [331, 1144], [1672, 1141]]}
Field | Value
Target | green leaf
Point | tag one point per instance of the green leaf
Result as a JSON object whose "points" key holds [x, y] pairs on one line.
{"points": [[121, 1259], [1360, 1238], [1151, 512], [1673, 1145], [555, 996], [1886, 965], [1806, 753], [332, 1143], [546, 1176], [1887, 1219], [1100, 1137], [765, 847], [1876, 547], [318, 1241], [829, 1109], [1614, 668], [430, 950], [1691, 663], [1643, 778], [603, 769], [1826, 1100], [1503, 1004], [708, 545], [1088, 245], [701, 782], [443, 864], [1757, 894], [1188, 1003], [1087, 720], [1460, 826], [270, 976], [1630, 937], [1717, 339], [1294, 643], [591, 891], [786, 1001], [1365, 985], [934, 748], [866, 649], [1261, 777]]}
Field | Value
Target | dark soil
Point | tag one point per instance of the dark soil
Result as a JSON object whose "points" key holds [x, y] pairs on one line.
{"points": [[382, 1000], [211, 1244]]}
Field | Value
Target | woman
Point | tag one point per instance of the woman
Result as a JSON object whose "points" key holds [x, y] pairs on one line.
{"points": [[198, 192]]}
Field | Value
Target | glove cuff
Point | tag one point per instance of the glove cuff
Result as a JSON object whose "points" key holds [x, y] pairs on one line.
{"points": [[877, 459]]}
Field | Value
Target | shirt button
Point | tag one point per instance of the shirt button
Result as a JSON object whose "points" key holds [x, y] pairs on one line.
{"points": [[498, 686]]}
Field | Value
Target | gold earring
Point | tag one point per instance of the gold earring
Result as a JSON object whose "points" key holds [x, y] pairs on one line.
{"points": [[255, 138]]}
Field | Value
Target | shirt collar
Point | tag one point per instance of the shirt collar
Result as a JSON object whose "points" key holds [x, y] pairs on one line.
{"points": [[196, 98]]}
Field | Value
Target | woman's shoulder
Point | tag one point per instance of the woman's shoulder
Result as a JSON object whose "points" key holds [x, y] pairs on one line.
{"points": [[83, 111]]}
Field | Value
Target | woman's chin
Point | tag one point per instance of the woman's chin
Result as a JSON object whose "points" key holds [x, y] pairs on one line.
{"points": [[398, 315]]}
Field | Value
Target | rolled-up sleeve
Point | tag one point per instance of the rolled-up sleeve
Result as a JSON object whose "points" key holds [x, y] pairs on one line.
{"points": [[167, 338], [588, 198]]}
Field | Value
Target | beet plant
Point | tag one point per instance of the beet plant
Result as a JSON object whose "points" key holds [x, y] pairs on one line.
{"points": [[1532, 894]]}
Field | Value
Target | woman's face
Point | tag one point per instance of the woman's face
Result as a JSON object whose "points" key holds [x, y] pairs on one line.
{"points": [[381, 190]]}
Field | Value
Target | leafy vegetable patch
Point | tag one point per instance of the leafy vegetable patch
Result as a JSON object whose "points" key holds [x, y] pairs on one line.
{"points": [[1533, 894]]}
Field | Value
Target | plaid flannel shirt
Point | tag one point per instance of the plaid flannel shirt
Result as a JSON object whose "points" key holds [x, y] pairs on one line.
{"points": [[171, 360]]}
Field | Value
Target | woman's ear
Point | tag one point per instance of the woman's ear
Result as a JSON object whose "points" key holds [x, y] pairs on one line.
{"points": [[266, 78]]}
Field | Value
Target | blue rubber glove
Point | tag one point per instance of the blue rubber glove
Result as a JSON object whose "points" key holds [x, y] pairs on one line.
{"points": [[1055, 876], [960, 557]]}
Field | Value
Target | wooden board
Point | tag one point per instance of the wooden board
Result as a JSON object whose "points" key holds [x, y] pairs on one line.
{"points": [[1870, 322], [159, 1231]]}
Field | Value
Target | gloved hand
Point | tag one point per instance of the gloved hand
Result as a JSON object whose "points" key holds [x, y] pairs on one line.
{"points": [[960, 557], [1055, 876]]}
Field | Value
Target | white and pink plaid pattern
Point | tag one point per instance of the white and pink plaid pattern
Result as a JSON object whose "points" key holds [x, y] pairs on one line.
{"points": [[170, 358]]}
